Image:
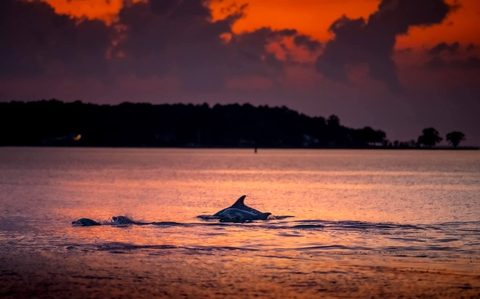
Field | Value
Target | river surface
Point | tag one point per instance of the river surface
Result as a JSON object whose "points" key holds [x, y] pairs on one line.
{"points": [[365, 223]]}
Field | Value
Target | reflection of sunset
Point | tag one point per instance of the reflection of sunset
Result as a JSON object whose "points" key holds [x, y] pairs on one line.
{"points": [[245, 143], [349, 218]]}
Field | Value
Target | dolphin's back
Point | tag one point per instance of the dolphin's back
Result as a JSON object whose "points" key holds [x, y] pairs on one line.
{"points": [[238, 215], [85, 222], [240, 204]]}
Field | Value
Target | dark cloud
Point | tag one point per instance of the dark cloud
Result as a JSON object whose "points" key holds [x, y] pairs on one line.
{"points": [[371, 42], [33, 39], [181, 10], [441, 47], [175, 38], [405, 50], [471, 47], [437, 63], [251, 45], [179, 38], [307, 42]]}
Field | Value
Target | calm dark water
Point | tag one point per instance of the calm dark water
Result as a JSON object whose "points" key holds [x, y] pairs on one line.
{"points": [[407, 209]]}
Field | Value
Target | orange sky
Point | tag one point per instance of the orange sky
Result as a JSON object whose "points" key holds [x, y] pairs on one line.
{"points": [[312, 17], [100, 9], [440, 90]]}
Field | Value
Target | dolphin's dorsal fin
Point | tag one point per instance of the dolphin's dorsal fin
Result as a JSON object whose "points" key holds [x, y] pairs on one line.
{"points": [[239, 202]]}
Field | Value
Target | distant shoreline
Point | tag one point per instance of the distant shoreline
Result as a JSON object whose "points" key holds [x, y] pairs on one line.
{"points": [[54, 123], [472, 148]]}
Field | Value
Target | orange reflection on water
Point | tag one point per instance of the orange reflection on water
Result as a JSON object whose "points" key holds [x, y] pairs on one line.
{"points": [[380, 226]]}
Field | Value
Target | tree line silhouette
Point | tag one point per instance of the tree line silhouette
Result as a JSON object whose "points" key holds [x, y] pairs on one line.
{"points": [[431, 137], [51, 123]]}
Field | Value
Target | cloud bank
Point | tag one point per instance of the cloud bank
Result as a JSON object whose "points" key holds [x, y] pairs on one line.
{"points": [[35, 40], [158, 38], [371, 42]]}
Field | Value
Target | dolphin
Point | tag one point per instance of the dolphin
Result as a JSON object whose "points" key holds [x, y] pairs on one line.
{"points": [[126, 220], [85, 222], [237, 215], [239, 212]]}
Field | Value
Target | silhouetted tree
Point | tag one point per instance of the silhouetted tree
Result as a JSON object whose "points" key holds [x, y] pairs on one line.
{"points": [[177, 125], [333, 121], [455, 138], [368, 136], [429, 138]]}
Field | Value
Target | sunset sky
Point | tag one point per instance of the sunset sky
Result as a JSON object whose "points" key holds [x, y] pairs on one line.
{"points": [[396, 65]]}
